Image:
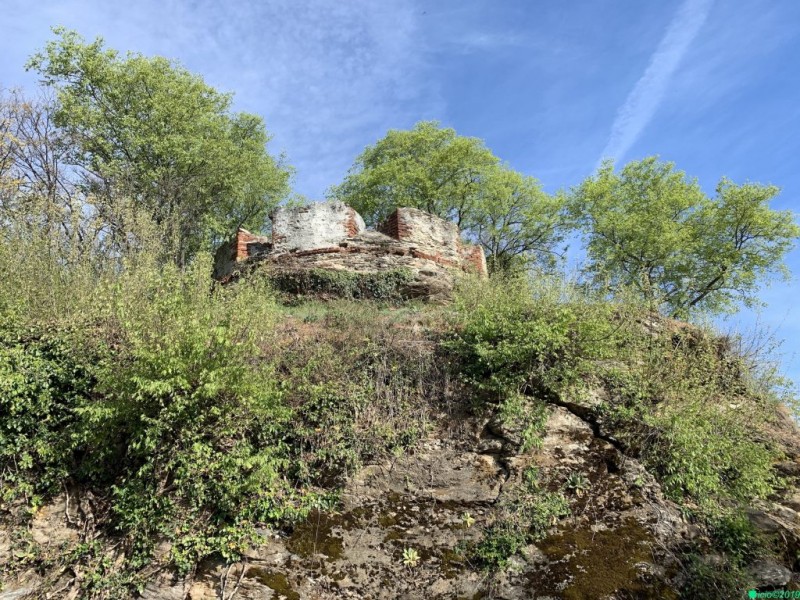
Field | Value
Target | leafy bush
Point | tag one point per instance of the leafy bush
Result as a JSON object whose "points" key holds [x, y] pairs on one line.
{"points": [[43, 384], [517, 335], [736, 536], [675, 395], [681, 402], [709, 456], [177, 416], [197, 420], [175, 401]]}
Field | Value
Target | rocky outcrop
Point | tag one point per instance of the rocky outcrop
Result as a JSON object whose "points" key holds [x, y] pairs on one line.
{"points": [[442, 498], [620, 540], [332, 236]]}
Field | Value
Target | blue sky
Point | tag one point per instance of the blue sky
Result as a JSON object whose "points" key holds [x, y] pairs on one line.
{"points": [[551, 87]]}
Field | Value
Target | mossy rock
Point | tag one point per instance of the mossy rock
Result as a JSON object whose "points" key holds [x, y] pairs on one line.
{"points": [[391, 285]]}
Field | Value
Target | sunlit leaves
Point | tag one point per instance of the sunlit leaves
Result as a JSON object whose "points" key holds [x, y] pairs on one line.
{"points": [[651, 228]]}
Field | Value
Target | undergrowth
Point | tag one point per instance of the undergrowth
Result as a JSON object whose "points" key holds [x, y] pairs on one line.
{"points": [[383, 285], [677, 397], [528, 512], [193, 413]]}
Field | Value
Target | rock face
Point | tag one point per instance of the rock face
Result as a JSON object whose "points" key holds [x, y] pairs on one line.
{"points": [[332, 236], [615, 544], [618, 541]]}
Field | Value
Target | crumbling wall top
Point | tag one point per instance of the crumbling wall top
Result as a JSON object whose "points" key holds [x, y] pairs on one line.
{"points": [[419, 227], [331, 235], [318, 225]]}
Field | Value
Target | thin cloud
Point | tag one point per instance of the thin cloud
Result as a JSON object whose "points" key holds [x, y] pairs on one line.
{"points": [[640, 105], [483, 41], [328, 77]]}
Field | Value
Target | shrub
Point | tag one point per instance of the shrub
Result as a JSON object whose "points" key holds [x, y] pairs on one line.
{"points": [[676, 395], [680, 402], [736, 536], [517, 335], [43, 383], [196, 420]]}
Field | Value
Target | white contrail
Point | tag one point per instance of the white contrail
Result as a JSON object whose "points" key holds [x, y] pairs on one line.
{"points": [[641, 103]]}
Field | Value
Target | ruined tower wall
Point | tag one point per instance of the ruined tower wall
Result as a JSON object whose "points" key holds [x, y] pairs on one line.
{"points": [[331, 235], [318, 225], [244, 245], [433, 238]]}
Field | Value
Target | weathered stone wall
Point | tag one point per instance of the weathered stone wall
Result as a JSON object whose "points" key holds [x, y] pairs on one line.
{"points": [[318, 225], [434, 239], [423, 229], [473, 259], [332, 236]]}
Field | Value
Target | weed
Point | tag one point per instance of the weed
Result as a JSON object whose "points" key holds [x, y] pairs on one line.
{"points": [[577, 483], [411, 557]]}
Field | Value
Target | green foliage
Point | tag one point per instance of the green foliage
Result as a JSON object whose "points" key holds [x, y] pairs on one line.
{"points": [[149, 130], [43, 384], [383, 285], [458, 178], [736, 536], [516, 222], [358, 392], [527, 516], [703, 579], [708, 456], [528, 336], [520, 412], [577, 483], [427, 167], [177, 403], [157, 400], [651, 228], [677, 397], [683, 404], [201, 425], [411, 557], [499, 543]]}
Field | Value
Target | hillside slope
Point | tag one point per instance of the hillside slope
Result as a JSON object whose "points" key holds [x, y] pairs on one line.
{"points": [[521, 443]]}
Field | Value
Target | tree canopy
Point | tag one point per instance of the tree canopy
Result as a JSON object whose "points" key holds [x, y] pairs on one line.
{"points": [[456, 177], [147, 129], [650, 227]]}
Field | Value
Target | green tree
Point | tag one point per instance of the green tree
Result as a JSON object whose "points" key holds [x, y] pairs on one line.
{"points": [[147, 129], [516, 221], [651, 228], [458, 178], [427, 167]]}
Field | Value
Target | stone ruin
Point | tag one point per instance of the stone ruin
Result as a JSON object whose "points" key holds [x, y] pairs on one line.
{"points": [[332, 236]]}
